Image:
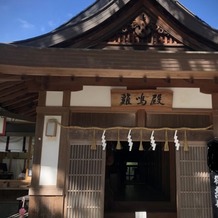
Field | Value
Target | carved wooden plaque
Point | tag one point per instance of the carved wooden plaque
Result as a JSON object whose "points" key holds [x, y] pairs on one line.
{"points": [[147, 99]]}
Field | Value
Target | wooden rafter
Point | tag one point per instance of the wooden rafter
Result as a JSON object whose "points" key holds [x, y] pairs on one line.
{"points": [[21, 101]]}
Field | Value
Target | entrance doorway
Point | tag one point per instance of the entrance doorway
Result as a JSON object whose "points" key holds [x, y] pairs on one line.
{"points": [[115, 182], [139, 180]]}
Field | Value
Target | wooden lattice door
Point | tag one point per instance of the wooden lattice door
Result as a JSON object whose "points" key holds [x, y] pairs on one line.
{"points": [[85, 185], [194, 194]]}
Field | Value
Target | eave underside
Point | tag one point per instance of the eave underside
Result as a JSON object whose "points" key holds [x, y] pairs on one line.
{"points": [[114, 58], [70, 69], [107, 63], [26, 71]]}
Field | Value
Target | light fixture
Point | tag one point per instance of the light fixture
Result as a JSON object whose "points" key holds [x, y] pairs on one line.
{"points": [[51, 128]]}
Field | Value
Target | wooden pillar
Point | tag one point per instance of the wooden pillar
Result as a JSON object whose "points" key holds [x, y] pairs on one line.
{"points": [[47, 198], [38, 144], [36, 157], [215, 113]]}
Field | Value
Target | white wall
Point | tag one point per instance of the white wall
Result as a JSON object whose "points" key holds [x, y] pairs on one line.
{"points": [[191, 98], [54, 98], [99, 96], [49, 155]]}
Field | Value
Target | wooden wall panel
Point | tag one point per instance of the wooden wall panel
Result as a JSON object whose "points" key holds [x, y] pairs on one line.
{"points": [[103, 119], [179, 120], [46, 206]]}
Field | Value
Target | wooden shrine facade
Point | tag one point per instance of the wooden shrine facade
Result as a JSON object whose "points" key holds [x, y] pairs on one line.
{"points": [[142, 45], [84, 126]]}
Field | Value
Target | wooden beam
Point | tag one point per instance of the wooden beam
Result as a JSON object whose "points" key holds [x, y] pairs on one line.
{"points": [[13, 89], [24, 100], [56, 83], [13, 95], [8, 84], [106, 71], [11, 78], [215, 113], [107, 63]]}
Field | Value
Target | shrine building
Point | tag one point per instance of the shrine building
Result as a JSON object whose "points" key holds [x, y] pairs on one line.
{"points": [[112, 115]]}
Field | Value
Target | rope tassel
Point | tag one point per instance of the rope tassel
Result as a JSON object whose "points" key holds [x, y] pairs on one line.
{"points": [[94, 147], [166, 145], [118, 146], [185, 141], [141, 144]]}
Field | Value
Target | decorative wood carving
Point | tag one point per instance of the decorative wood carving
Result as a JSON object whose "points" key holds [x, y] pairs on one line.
{"points": [[144, 30]]}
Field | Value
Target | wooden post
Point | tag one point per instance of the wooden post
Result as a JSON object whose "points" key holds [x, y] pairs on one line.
{"points": [[215, 113], [141, 118]]}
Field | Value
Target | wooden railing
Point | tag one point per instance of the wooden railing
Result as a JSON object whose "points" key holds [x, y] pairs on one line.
{"points": [[14, 184], [17, 215]]}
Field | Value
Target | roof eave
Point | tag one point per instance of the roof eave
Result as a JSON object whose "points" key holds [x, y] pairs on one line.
{"points": [[87, 20], [186, 18]]}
